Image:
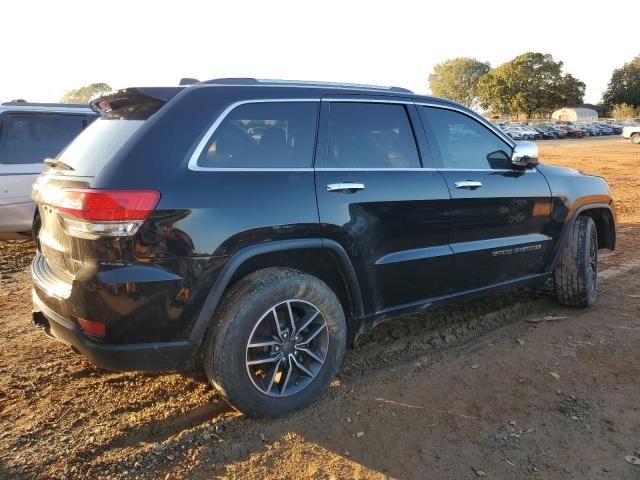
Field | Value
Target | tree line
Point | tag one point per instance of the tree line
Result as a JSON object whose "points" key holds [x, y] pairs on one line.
{"points": [[530, 84], [533, 84]]}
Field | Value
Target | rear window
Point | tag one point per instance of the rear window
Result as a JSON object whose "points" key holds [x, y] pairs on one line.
{"points": [[27, 138], [264, 135], [93, 148]]}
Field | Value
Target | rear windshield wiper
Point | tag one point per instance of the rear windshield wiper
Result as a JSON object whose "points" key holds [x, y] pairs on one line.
{"points": [[53, 163]]}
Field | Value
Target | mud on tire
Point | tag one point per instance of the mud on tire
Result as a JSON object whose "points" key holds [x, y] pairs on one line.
{"points": [[576, 273], [243, 320]]}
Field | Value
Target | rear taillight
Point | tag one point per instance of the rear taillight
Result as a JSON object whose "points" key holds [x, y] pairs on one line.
{"points": [[89, 213], [94, 329]]}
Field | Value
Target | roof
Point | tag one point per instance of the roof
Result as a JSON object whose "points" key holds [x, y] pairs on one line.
{"points": [[328, 87], [301, 83]]}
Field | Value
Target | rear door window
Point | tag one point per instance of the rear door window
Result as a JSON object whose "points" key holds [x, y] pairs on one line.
{"points": [[264, 135], [371, 135], [27, 138]]}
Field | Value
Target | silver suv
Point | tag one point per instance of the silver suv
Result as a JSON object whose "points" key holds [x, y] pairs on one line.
{"points": [[30, 133]]}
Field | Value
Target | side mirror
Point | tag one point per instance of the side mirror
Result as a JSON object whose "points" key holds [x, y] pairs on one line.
{"points": [[525, 154]]}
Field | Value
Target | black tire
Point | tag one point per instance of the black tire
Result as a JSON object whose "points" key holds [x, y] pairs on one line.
{"points": [[635, 138], [245, 305], [576, 274]]}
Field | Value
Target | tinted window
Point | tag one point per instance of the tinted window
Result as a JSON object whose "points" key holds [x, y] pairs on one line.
{"points": [[94, 147], [30, 138], [464, 142], [371, 135], [264, 135]]}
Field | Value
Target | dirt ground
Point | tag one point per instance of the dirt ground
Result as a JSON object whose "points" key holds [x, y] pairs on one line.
{"points": [[512, 386]]}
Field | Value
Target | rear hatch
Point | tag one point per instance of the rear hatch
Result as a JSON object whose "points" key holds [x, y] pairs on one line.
{"points": [[78, 224]]}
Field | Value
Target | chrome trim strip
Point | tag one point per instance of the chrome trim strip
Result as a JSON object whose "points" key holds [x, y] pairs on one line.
{"points": [[488, 244], [246, 169], [388, 169], [393, 101], [415, 254], [193, 161], [528, 170]]}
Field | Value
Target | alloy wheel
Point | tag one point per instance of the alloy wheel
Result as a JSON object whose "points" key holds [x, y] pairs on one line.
{"points": [[287, 348]]}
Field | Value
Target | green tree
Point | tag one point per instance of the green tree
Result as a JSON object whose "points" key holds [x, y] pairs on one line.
{"points": [[457, 79], [624, 110], [624, 86], [86, 93], [531, 82], [570, 92]]}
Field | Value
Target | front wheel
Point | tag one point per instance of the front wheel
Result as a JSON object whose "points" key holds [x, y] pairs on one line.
{"points": [[635, 138], [576, 274], [277, 342]]}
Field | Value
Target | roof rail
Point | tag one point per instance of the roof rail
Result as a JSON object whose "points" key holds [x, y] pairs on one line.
{"points": [[23, 103], [301, 83]]}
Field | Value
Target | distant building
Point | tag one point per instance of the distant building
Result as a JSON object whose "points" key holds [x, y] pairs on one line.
{"points": [[575, 115], [598, 108]]}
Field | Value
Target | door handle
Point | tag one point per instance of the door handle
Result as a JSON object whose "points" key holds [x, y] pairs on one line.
{"points": [[345, 187], [470, 184]]}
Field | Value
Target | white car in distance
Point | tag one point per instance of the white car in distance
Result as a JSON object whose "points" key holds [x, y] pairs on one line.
{"points": [[632, 132]]}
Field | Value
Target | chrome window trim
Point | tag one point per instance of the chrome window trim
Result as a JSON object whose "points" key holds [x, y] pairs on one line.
{"points": [[527, 170], [393, 101], [382, 169], [193, 161], [255, 169]]}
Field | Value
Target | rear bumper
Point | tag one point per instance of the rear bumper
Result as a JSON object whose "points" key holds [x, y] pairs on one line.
{"points": [[151, 357]]}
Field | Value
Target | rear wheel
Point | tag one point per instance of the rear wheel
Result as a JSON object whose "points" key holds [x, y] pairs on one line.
{"points": [[576, 274], [635, 138], [277, 342]]}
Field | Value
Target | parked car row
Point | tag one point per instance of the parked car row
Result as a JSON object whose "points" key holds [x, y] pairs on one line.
{"points": [[559, 130]]}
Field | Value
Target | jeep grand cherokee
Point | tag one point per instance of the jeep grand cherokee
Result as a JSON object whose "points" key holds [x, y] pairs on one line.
{"points": [[258, 227]]}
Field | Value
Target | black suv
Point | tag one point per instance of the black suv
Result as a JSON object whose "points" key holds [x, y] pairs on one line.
{"points": [[258, 227]]}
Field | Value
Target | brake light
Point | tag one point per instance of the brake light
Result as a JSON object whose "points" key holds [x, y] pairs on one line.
{"points": [[89, 327], [92, 213], [108, 205]]}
